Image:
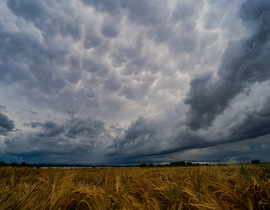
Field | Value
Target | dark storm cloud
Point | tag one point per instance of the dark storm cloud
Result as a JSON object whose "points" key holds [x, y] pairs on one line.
{"points": [[23, 61], [46, 63], [89, 128], [75, 63], [50, 129], [38, 57], [69, 141], [253, 125], [244, 63], [143, 137], [72, 128], [6, 125], [141, 129]]}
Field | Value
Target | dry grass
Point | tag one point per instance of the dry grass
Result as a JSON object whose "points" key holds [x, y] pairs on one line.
{"points": [[201, 187]]}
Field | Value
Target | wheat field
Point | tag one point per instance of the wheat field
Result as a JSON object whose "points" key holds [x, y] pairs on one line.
{"points": [[200, 187]]}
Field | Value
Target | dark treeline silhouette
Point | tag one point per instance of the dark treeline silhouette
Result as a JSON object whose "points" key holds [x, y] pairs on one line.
{"points": [[171, 164], [23, 164], [185, 163], [255, 161], [179, 163]]}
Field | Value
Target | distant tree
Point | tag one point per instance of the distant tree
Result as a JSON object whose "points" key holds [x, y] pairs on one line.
{"points": [[24, 164], [14, 164], [255, 161], [189, 164], [2, 164], [180, 163], [143, 165]]}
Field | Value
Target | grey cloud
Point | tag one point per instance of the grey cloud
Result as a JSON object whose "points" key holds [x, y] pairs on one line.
{"points": [[2, 108], [139, 129], [231, 153], [244, 63], [135, 91], [143, 136], [76, 139], [112, 83], [41, 149], [253, 125], [50, 129], [44, 62], [29, 111], [136, 66], [30, 64], [89, 128], [127, 54], [214, 17], [104, 6], [183, 43], [95, 67], [109, 30], [6, 125], [179, 29], [38, 58], [33, 112], [141, 11], [185, 10], [70, 113], [38, 13], [29, 9], [72, 128], [145, 12], [91, 39], [110, 59]]}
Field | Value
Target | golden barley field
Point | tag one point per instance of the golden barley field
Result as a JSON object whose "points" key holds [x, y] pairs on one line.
{"points": [[198, 187]]}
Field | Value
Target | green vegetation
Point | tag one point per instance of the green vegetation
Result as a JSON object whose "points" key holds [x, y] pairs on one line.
{"points": [[245, 172], [197, 182]]}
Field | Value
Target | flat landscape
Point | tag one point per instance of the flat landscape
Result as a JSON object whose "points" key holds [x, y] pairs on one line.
{"points": [[134, 104], [196, 187]]}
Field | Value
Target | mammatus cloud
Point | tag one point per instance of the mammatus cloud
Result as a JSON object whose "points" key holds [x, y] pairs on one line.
{"points": [[244, 63], [196, 73]]}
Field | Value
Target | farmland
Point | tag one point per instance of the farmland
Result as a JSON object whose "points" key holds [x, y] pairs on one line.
{"points": [[197, 187]]}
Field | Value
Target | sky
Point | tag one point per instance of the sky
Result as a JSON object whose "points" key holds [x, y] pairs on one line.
{"points": [[129, 82]]}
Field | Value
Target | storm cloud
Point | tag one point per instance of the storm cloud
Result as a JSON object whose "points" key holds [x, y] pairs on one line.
{"points": [[66, 142], [244, 63], [126, 82], [6, 125]]}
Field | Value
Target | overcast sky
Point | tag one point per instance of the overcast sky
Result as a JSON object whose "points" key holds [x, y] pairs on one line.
{"points": [[127, 82]]}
